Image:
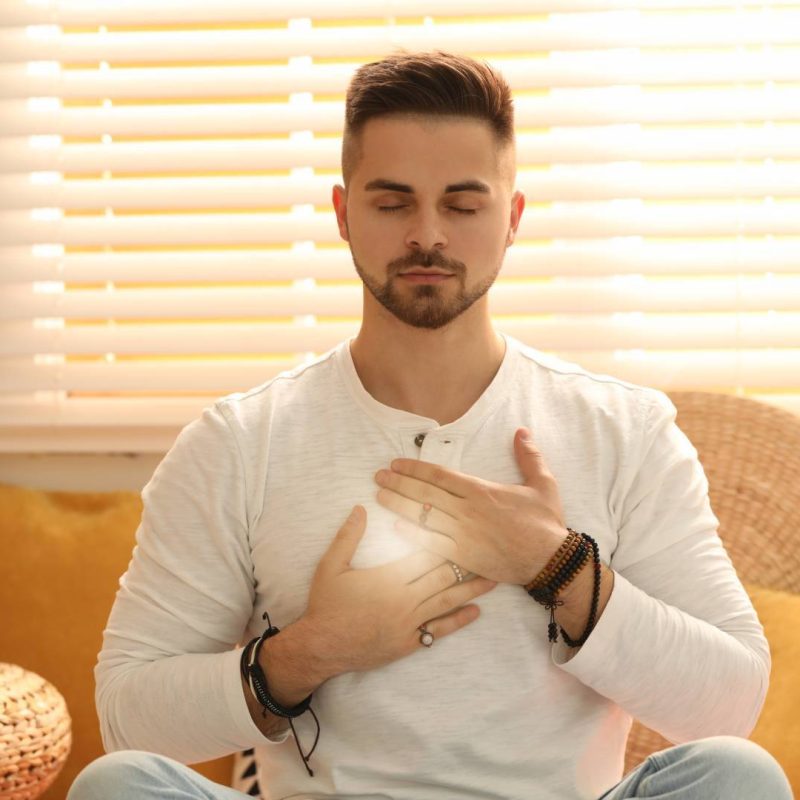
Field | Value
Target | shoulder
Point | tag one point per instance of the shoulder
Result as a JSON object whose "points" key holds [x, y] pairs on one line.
{"points": [[241, 421], [570, 388], [299, 388]]}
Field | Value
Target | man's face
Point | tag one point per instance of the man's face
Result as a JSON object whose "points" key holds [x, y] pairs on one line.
{"points": [[428, 215]]}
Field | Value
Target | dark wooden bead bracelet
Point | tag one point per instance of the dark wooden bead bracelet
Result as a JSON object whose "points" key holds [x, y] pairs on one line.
{"points": [[546, 593], [595, 599]]}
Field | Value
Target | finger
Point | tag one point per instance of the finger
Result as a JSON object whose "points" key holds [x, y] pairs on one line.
{"points": [[344, 544], [413, 566], [410, 509], [434, 581], [439, 543], [449, 623], [452, 598], [529, 457], [419, 491], [457, 483]]}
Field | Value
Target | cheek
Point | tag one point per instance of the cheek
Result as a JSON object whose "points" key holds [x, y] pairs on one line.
{"points": [[373, 243], [483, 236]]}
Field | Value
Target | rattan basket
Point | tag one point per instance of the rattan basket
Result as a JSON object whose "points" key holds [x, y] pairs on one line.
{"points": [[750, 452], [34, 733]]}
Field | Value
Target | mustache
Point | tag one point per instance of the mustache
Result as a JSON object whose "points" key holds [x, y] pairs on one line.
{"points": [[419, 259]]}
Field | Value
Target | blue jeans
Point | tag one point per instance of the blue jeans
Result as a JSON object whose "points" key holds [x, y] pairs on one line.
{"points": [[717, 768]]}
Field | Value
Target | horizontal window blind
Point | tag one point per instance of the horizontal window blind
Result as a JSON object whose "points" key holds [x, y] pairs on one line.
{"points": [[167, 234]]}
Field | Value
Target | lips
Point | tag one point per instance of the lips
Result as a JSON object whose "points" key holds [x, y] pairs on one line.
{"points": [[427, 272], [425, 278]]}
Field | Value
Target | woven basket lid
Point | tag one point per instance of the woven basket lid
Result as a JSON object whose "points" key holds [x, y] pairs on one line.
{"points": [[35, 734], [750, 452]]}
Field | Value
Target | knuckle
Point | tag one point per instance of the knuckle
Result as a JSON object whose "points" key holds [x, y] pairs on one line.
{"points": [[427, 494], [495, 496], [384, 495], [547, 477], [445, 576], [389, 477], [471, 512], [443, 602], [484, 496], [438, 475], [463, 617]]}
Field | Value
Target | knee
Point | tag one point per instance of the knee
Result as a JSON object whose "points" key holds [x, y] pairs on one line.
{"points": [[742, 768], [108, 776]]}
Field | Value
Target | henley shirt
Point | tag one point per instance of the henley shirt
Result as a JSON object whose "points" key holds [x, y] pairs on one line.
{"points": [[240, 511]]}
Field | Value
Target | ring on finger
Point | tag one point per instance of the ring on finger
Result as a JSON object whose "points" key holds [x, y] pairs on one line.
{"points": [[459, 573], [423, 514], [425, 636]]}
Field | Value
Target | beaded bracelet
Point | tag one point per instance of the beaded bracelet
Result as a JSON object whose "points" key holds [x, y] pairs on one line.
{"points": [[564, 575], [595, 600], [254, 675], [560, 571], [567, 548]]}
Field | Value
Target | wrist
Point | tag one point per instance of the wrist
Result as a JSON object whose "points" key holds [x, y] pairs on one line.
{"points": [[553, 550], [568, 553], [293, 664], [577, 599]]}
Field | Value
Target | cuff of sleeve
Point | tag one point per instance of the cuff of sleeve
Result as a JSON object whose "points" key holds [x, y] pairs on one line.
{"points": [[601, 648], [237, 705]]}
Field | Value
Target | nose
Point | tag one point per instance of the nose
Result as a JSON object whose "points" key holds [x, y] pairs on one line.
{"points": [[425, 231]]}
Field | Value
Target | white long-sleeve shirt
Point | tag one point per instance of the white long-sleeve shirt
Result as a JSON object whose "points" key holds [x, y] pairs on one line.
{"points": [[239, 512]]}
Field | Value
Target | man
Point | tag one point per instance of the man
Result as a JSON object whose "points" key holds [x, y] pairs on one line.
{"points": [[404, 625]]}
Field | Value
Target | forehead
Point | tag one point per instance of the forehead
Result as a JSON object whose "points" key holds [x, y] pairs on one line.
{"points": [[450, 153]]}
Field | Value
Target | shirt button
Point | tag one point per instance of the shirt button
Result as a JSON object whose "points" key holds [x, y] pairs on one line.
{"points": [[419, 439]]}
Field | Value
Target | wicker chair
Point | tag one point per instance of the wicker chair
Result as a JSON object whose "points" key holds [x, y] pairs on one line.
{"points": [[750, 452]]}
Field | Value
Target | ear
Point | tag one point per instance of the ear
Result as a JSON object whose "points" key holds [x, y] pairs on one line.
{"points": [[517, 205], [339, 198]]}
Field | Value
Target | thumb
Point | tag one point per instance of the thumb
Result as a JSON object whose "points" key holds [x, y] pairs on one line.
{"points": [[345, 543], [530, 460]]}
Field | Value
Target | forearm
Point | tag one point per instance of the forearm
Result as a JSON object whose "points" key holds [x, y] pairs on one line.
{"points": [[294, 668], [573, 616], [671, 670], [188, 707]]}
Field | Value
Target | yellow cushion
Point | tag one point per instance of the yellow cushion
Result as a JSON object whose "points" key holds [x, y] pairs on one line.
{"points": [[778, 728], [62, 556]]}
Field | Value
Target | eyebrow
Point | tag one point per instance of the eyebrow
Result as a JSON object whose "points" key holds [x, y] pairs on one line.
{"points": [[394, 186]]}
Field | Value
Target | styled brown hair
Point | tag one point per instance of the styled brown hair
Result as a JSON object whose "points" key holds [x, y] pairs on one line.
{"points": [[428, 84]]}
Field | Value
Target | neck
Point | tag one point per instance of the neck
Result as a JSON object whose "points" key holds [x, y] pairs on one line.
{"points": [[438, 373]]}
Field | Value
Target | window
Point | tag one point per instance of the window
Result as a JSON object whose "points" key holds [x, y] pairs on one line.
{"points": [[167, 236]]}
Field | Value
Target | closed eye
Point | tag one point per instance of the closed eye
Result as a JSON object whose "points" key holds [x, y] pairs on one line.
{"points": [[452, 208]]}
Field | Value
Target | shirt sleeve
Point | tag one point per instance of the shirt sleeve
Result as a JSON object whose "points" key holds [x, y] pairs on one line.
{"points": [[679, 645], [167, 677]]}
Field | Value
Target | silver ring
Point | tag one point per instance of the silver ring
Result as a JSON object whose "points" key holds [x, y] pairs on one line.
{"points": [[426, 637], [458, 571], [423, 514]]}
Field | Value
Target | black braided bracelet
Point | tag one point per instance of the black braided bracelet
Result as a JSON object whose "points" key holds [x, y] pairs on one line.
{"points": [[253, 674], [258, 681]]}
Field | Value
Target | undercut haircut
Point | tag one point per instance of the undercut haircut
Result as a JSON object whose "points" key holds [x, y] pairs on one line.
{"points": [[427, 84]]}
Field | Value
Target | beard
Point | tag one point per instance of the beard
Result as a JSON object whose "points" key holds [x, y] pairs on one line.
{"points": [[429, 305]]}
